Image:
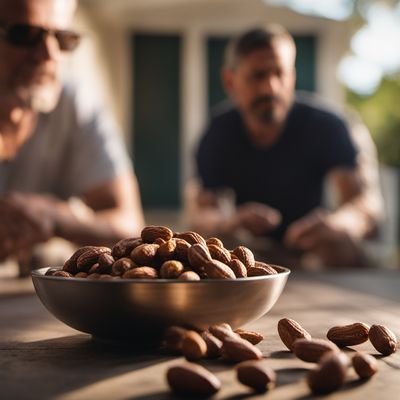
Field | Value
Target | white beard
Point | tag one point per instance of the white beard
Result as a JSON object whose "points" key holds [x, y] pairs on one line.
{"points": [[40, 98]]}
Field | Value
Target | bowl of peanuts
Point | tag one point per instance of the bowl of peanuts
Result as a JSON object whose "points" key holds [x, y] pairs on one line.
{"points": [[141, 286]]}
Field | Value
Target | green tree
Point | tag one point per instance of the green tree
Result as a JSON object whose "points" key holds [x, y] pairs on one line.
{"points": [[381, 113]]}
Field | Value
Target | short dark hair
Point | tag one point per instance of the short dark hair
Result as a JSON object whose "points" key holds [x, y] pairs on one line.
{"points": [[254, 39]]}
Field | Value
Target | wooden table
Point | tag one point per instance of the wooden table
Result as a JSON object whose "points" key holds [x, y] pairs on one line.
{"points": [[42, 358]]}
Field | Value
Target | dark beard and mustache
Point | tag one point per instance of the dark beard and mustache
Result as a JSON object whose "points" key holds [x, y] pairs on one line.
{"points": [[266, 115]]}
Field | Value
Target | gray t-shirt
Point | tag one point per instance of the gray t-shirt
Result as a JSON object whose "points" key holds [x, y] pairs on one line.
{"points": [[73, 149]]}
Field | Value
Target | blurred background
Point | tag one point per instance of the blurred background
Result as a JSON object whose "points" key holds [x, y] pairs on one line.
{"points": [[157, 64]]}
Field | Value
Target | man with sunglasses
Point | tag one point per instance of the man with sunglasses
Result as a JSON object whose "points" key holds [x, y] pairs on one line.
{"points": [[63, 169]]}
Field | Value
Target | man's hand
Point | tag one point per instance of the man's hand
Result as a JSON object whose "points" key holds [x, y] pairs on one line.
{"points": [[257, 218], [108, 213], [319, 233], [26, 219], [211, 216]]}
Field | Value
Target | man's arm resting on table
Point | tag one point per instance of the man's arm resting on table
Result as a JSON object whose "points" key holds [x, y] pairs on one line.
{"points": [[357, 216], [360, 207], [108, 213], [210, 218]]}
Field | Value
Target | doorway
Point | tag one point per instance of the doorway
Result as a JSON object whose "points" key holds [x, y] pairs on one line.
{"points": [[156, 114]]}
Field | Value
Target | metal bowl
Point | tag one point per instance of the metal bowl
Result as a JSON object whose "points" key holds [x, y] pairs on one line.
{"points": [[142, 309]]}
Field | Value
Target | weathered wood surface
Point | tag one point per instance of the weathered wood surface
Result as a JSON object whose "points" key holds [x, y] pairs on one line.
{"points": [[41, 358]]}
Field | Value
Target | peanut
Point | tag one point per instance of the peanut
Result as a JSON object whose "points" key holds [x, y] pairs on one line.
{"points": [[330, 373], [289, 330], [171, 269], [245, 256], [365, 365], [255, 375], [383, 339], [311, 350], [150, 233], [193, 346], [192, 380], [217, 270], [348, 335], [250, 336], [236, 349]]}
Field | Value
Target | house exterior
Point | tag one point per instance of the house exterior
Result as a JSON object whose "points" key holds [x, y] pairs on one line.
{"points": [[158, 65]]}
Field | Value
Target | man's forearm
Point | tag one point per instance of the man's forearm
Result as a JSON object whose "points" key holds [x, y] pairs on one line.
{"points": [[210, 221], [78, 223], [359, 216]]}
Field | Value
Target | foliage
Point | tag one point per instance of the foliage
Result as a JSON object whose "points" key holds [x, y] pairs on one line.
{"points": [[381, 113]]}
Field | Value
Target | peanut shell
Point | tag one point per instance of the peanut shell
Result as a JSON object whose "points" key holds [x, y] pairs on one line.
{"points": [[383, 339], [289, 330], [256, 375], [190, 379], [348, 335], [311, 350], [150, 233]]}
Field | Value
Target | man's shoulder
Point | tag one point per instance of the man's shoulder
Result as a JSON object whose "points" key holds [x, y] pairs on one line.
{"points": [[68, 107], [224, 125], [224, 118], [224, 111], [314, 107], [66, 99], [79, 100]]}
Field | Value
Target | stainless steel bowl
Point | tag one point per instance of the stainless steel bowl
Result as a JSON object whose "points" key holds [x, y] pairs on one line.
{"points": [[127, 309]]}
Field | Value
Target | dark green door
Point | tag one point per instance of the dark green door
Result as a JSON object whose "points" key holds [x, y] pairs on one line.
{"points": [[305, 66], [305, 62], [156, 144]]}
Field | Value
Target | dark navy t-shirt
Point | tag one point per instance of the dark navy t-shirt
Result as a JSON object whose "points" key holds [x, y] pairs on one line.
{"points": [[287, 176]]}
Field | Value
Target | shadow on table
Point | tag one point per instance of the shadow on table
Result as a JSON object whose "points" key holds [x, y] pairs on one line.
{"points": [[289, 376], [50, 368], [383, 283], [344, 390], [281, 354], [11, 287], [166, 395], [243, 396], [85, 345]]}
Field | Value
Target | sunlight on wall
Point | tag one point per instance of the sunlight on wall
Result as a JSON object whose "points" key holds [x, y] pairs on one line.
{"points": [[86, 67]]}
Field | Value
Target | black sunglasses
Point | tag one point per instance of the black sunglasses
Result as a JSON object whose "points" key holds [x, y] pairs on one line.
{"points": [[24, 35]]}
